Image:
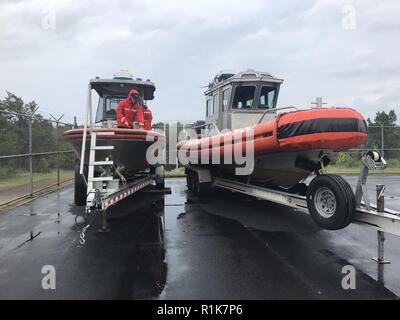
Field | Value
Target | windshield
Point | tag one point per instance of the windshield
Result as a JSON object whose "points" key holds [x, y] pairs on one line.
{"points": [[106, 108], [244, 97], [267, 97]]}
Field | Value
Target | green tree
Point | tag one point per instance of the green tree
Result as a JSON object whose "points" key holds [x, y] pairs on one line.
{"points": [[384, 126], [14, 137]]}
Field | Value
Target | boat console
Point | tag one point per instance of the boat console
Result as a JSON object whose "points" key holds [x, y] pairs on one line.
{"points": [[239, 100], [112, 91]]}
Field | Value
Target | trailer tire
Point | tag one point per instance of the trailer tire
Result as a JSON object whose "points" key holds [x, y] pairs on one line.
{"points": [[200, 189], [159, 177], [191, 184], [160, 185], [196, 185], [331, 201], [80, 191], [188, 179], [203, 189]]}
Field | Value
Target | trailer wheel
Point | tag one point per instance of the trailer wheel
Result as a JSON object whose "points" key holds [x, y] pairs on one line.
{"points": [[199, 189], [191, 182], [196, 185], [160, 178], [188, 179], [331, 201], [203, 189], [80, 191]]}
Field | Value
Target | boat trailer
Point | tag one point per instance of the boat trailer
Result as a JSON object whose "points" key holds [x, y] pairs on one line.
{"points": [[367, 214], [109, 189]]}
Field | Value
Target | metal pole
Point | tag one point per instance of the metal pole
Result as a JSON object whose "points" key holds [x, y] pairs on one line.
{"points": [[382, 142], [380, 208], [88, 107], [380, 198], [58, 156], [58, 147], [165, 148], [30, 156]]}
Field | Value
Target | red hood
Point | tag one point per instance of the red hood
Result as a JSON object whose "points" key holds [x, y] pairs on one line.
{"points": [[131, 93]]}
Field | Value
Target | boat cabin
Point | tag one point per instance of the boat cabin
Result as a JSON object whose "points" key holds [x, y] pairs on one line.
{"points": [[112, 91], [239, 100]]}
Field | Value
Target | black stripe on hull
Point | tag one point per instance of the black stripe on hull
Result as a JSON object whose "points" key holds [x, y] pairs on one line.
{"points": [[321, 125]]}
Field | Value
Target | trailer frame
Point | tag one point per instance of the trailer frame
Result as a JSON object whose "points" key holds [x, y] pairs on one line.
{"points": [[366, 214]]}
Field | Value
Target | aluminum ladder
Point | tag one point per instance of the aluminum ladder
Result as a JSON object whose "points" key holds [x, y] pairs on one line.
{"points": [[93, 162]]}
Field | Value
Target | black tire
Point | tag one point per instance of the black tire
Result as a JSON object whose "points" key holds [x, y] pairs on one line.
{"points": [[196, 184], [80, 192], [188, 179], [203, 189], [192, 184], [199, 189], [331, 201], [158, 171], [160, 185]]}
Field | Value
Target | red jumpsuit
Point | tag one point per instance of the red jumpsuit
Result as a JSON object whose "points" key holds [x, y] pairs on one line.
{"points": [[128, 113], [148, 118]]}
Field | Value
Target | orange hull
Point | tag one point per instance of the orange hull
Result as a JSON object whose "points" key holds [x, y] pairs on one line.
{"points": [[326, 129], [286, 149]]}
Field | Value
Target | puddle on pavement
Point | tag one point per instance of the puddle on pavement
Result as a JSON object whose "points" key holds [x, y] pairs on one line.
{"points": [[136, 240], [304, 248]]}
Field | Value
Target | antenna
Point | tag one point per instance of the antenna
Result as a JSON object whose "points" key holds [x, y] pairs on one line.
{"points": [[318, 103]]}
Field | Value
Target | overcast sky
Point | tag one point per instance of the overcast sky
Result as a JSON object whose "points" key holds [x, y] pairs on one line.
{"points": [[345, 51]]}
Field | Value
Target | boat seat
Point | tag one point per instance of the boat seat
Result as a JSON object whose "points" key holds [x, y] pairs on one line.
{"points": [[111, 115]]}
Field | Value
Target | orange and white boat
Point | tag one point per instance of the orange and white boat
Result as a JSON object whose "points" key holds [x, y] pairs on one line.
{"points": [[109, 157], [288, 146], [129, 146]]}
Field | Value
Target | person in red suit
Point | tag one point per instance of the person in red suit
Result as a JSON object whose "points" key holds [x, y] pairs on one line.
{"points": [[148, 118], [130, 111]]}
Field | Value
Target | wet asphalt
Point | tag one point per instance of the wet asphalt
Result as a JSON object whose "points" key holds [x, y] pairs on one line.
{"points": [[226, 246]]}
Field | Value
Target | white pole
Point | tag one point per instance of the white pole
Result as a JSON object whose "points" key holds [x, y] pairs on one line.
{"points": [[87, 114]]}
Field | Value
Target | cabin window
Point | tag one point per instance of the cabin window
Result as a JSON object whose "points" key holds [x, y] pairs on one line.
{"points": [[209, 107], [112, 104], [215, 104], [244, 97], [267, 97], [106, 108], [226, 94]]}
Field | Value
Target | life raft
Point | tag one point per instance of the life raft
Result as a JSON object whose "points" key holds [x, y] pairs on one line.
{"points": [[311, 129]]}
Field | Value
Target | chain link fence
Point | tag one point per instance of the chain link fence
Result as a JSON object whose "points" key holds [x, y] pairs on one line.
{"points": [[384, 139], [33, 155]]}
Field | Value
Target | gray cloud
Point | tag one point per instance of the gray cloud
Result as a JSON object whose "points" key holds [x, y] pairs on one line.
{"points": [[182, 44]]}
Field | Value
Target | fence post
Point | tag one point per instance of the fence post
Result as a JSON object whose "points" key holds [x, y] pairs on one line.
{"points": [[58, 156], [382, 142], [58, 146], [30, 156]]}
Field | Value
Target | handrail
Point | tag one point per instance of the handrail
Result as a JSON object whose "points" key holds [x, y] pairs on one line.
{"points": [[199, 126], [87, 114], [35, 154], [273, 110], [207, 124]]}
